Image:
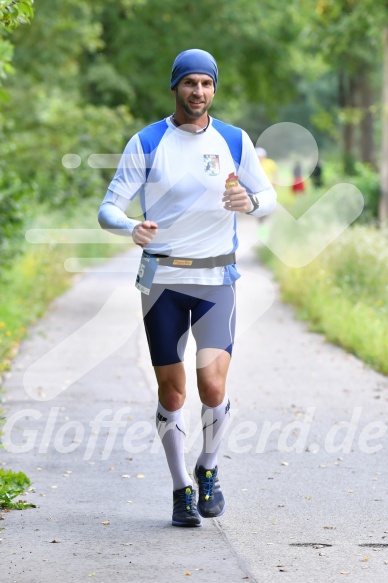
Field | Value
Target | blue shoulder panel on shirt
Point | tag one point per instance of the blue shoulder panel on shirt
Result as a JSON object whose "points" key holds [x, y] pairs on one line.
{"points": [[150, 138], [233, 137]]}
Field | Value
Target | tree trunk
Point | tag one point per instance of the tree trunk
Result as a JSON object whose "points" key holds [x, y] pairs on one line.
{"points": [[383, 205], [346, 100], [367, 146]]}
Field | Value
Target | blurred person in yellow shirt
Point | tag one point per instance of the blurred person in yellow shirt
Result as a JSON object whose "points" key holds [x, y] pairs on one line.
{"points": [[268, 165]]}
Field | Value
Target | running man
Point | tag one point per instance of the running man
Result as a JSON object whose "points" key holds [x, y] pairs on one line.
{"points": [[179, 167]]}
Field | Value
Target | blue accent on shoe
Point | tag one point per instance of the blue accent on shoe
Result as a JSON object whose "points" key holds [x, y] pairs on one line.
{"points": [[185, 508], [211, 502]]}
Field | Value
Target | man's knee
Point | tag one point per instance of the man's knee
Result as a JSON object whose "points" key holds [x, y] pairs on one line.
{"points": [[171, 386], [211, 391]]}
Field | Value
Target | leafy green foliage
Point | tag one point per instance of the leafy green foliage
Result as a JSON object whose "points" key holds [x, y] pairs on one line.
{"points": [[15, 12], [56, 128], [348, 37], [12, 206], [367, 181], [249, 40], [347, 33], [12, 13], [12, 187], [12, 485], [64, 31], [49, 116]]}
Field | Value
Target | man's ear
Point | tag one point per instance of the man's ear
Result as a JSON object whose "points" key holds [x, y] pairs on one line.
{"points": [[173, 90]]}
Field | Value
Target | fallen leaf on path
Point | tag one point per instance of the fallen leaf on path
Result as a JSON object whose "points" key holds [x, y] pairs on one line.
{"points": [[187, 573], [344, 572], [125, 476], [105, 522], [140, 476], [330, 527], [284, 464], [365, 559], [55, 540]]}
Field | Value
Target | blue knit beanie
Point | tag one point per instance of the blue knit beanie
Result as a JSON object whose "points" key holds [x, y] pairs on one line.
{"points": [[194, 61]]}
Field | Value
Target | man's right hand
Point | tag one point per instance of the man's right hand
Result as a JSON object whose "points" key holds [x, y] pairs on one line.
{"points": [[143, 233]]}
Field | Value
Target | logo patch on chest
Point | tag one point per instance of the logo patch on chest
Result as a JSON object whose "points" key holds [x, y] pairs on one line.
{"points": [[211, 163]]}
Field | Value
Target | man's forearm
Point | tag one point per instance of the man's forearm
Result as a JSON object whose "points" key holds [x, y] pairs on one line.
{"points": [[113, 219]]}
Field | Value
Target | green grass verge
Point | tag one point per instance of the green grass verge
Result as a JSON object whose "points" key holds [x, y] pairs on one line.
{"points": [[37, 275], [343, 293]]}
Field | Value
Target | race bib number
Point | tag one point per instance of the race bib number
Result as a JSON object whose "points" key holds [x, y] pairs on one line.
{"points": [[146, 273]]}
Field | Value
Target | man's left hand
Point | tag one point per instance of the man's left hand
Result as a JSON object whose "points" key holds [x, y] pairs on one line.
{"points": [[236, 199]]}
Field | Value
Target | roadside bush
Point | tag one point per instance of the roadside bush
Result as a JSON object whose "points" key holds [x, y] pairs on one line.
{"points": [[368, 182], [343, 293], [32, 172], [13, 207]]}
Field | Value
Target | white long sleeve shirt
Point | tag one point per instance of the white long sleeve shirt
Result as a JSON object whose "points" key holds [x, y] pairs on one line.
{"points": [[180, 178]]}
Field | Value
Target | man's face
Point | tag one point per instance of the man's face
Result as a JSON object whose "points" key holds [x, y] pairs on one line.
{"points": [[194, 94]]}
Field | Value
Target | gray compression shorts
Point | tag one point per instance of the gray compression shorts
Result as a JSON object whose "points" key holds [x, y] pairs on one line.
{"points": [[170, 311]]}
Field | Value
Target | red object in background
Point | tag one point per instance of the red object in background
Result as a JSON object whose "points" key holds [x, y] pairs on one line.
{"points": [[298, 185]]}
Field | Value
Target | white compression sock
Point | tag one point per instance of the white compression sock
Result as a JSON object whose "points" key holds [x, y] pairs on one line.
{"points": [[172, 432], [215, 421]]}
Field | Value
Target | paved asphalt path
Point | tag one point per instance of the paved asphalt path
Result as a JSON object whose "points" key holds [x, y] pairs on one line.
{"points": [[303, 465]]}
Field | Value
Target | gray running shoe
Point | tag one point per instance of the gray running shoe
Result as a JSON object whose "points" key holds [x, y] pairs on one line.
{"points": [[211, 502], [185, 508]]}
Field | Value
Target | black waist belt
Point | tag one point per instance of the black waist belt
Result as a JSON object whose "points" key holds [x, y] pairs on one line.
{"points": [[197, 263]]}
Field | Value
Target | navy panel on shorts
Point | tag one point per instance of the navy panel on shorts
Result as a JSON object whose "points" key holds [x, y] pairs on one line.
{"points": [[170, 311]]}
